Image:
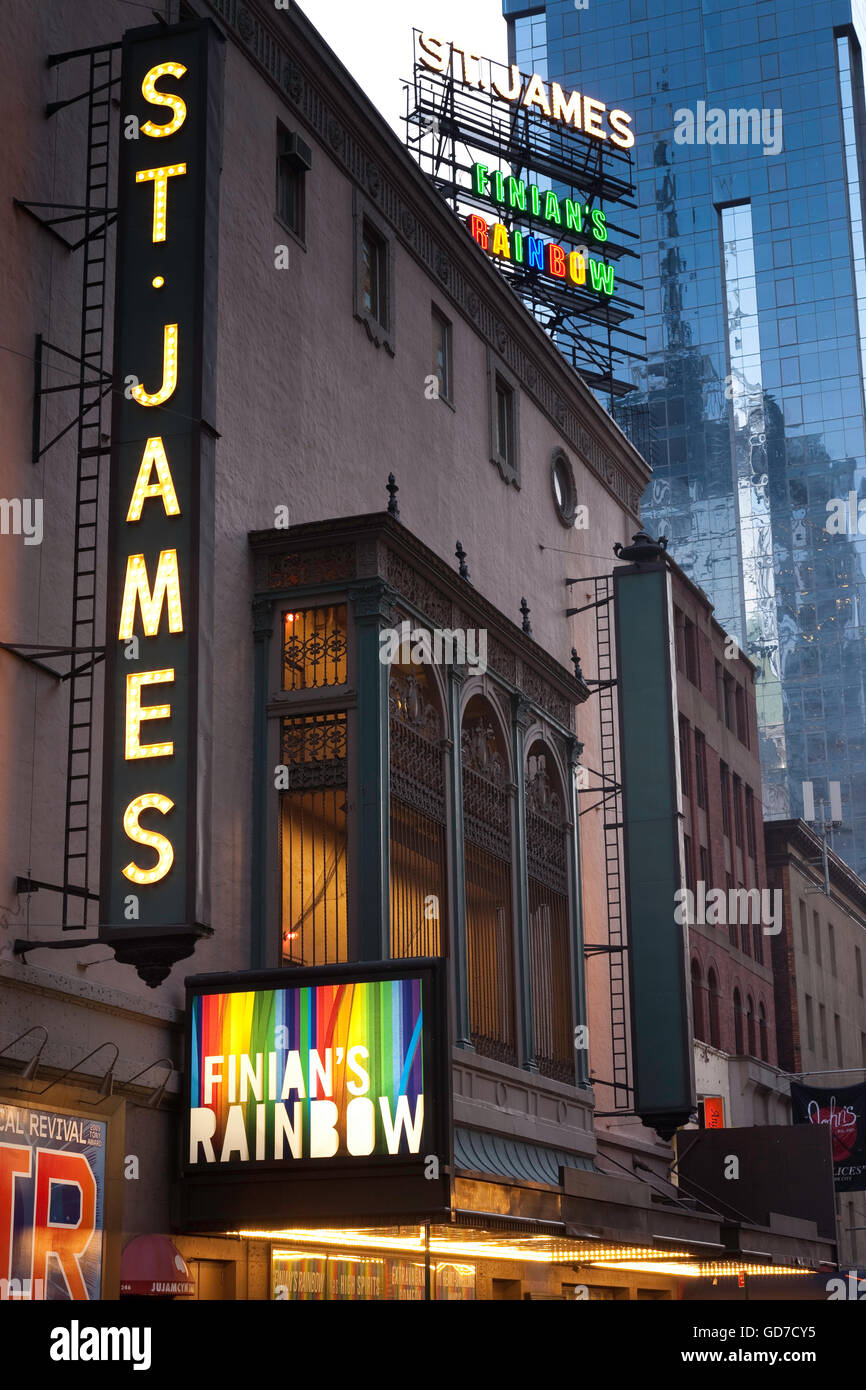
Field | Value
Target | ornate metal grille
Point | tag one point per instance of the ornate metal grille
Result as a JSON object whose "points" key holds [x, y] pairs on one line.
{"points": [[314, 648], [489, 922], [418, 897], [313, 840], [550, 956]]}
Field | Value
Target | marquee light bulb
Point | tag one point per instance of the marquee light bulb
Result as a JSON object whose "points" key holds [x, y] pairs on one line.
{"points": [[150, 838], [156, 98], [153, 457], [160, 179], [135, 713], [169, 371], [166, 588]]}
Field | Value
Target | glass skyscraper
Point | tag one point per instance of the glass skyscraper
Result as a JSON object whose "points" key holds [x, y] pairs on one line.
{"points": [[750, 163]]}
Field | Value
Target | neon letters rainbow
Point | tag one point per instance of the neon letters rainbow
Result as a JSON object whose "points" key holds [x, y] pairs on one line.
{"points": [[315, 1072]]}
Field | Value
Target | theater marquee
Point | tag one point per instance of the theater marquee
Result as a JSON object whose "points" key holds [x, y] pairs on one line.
{"points": [[156, 756], [326, 1084]]}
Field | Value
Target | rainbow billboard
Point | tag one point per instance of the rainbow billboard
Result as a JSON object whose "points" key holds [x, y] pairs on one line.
{"points": [[304, 1073]]}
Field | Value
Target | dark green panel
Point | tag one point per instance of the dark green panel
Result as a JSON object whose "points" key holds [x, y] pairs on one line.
{"points": [[660, 1017]]}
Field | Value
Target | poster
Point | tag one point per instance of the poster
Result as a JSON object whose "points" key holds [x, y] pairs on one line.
{"points": [[843, 1108], [52, 1193], [315, 1072]]}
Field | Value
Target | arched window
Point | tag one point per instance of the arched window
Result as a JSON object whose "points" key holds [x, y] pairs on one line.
{"points": [[417, 821], [750, 1025], [697, 1003], [713, 1001], [489, 918], [738, 1023], [547, 865], [762, 1033]]}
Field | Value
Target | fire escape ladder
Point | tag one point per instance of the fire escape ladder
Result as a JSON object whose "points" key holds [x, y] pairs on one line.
{"points": [[612, 845]]}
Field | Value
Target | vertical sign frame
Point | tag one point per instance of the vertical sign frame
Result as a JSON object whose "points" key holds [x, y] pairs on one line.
{"points": [[154, 889], [661, 1024]]}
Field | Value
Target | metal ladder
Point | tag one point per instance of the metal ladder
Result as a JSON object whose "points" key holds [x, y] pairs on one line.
{"points": [[90, 448], [612, 844]]}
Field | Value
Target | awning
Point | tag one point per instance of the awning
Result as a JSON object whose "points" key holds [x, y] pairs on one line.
{"points": [[153, 1267], [476, 1151]]}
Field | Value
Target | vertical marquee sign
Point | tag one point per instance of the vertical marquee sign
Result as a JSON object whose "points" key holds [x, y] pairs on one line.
{"points": [[160, 563]]}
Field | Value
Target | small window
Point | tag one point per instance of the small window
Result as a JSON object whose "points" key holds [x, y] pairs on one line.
{"points": [[810, 1024], [738, 1023], [822, 1021], [742, 721], [738, 811], [858, 967], [701, 769], [294, 159], [684, 759], [804, 930], [504, 422], [750, 822], [691, 652], [564, 487], [831, 941], [442, 356], [726, 803], [816, 929], [837, 1029], [374, 275]]}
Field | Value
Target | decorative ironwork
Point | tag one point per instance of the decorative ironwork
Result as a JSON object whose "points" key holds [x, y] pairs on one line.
{"points": [[416, 754], [527, 625], [303, 567], [314, 750], [575, 660], [393, 489], [540, 796], [402, 576], [314, 652], [461, 556]]}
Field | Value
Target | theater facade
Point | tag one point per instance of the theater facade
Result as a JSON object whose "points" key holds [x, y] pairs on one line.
{"points": [[304, 844]]}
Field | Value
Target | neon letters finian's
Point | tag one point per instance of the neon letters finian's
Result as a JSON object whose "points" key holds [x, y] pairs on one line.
{"points": [[533, 93], [519, 196]]}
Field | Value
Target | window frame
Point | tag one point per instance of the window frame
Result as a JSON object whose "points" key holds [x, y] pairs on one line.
{"points": [[436, 314], [368, 219], [301, 168], [498, 373]]}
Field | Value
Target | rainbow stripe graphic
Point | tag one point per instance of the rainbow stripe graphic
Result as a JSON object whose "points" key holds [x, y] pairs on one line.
{"points": [[338, 1041]]}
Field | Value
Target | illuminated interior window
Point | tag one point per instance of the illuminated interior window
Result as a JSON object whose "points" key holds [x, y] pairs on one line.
{"points": [[314, 648], [374, 275], [313, 840], [418, 883], [547, 863], [489, 917], [442, 353]]}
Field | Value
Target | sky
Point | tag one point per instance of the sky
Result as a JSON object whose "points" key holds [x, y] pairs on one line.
{"points": [[373, 38]]}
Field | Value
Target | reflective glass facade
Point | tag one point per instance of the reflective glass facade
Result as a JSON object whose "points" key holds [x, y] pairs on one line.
{"points": [[750, 164]]}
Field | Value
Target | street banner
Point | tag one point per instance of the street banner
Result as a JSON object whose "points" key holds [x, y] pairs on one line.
{"points": [[843, 1108]]}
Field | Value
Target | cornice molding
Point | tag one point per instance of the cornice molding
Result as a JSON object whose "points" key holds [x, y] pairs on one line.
{"points": [[426, 227]]}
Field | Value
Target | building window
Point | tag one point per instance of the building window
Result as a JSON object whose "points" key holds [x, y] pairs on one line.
{"points": [[690, 866], [810, 1024], [822, 1024], [713, 1000], [728, 692], [751, 841], [745, 932], [804, 929], [564, 487], [762, 1033], [697, 1003], [724, 782], [550, 956], [418, 815], [489, 919], [313, 840], [858, 968], [442, 355], [733, 936], [685, 770], [720, 690], [837, 1029], [374, 276], [701, 769], [705, 865], [504, 421], [690, 636], [314, 648], [738, 811], [750, 1025], [758, 942], [742, 721], [738, 1023], [816, 931], [294, 159], [831, 941]]}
